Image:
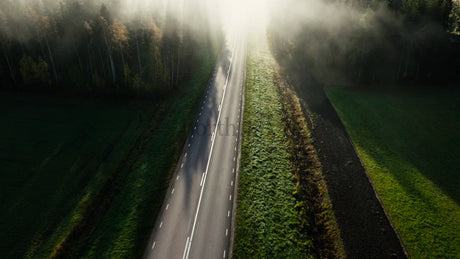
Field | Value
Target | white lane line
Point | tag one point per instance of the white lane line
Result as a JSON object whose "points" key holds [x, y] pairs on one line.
{"points": [[236, 131], [235, 148], [233, 170], [234, 159], [153, 246], [185, 249], [167, 206], [161, 224], [202, 177], [185, 155], [181, 165], [192, 136], [177, 178], [224, 253], [199, 114], [172, 192], [230, 198], [231, 183], [194, 128], [226, 232], [187, 252], [188, 145], [236, 139], [228, 213]]}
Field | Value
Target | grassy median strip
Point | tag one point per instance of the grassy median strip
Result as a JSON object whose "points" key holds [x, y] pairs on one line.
{"points": [[409, 145], [268, 224]]}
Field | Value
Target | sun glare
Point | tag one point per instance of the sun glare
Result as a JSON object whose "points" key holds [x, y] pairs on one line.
{"points": [[244, 15]]}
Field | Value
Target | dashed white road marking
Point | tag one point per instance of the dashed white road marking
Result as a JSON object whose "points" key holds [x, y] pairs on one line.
{"points": [[233, 170], [202, 177], [231, 183], [230, 198], [228, 213], [177, 178], [226, 232], [153, 246], [172, 192], [234, 159], [181, 165], [167, 206], [161, 224], [224, 253]]}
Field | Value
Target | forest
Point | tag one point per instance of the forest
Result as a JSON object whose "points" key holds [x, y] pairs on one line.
{"points": [[93, 47], [369, 42]]}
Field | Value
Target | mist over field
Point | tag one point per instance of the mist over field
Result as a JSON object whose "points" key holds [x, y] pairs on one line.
{"points": [[369, 42]]}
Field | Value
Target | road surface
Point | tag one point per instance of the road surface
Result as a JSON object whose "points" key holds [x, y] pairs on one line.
{"points": [[196, 217]]}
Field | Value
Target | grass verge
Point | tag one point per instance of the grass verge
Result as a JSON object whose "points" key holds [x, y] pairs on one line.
{"points": [[283, 207], [87, 178], [408, 143]]}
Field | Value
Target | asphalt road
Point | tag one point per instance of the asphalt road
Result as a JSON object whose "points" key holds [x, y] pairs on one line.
{"points": [[196, 218]]}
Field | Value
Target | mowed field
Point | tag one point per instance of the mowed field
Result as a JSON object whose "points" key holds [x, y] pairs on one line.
{"points": [[85, 178], [50, 150], [408, 142]]}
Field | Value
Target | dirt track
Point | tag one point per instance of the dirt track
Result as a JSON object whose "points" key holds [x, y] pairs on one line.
{"points": [[365, 229]]}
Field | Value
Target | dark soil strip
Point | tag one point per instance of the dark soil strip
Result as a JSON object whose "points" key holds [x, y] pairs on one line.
{"points": [[364, 226], [313, 201]]}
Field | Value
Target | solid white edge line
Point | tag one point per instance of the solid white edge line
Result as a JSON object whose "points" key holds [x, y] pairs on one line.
{"points": [[185, 249], [209, 160]]}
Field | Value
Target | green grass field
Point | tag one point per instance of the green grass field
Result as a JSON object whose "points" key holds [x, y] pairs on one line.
{"points": [[50, 149], [267, 220], [85, 178], [409, 142]]}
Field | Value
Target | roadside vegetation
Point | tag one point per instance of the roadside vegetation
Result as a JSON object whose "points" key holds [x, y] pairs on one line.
{"points": [[408, 142], [86, 177], [96, 101], [283, 207]]}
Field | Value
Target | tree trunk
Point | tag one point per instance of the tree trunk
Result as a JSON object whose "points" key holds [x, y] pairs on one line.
{"points": [[52, 60], [138, 55], [109, 52], [5, 55]]}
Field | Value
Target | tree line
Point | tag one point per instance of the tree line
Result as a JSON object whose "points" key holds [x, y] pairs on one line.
{"points": [[86, 47], [370, 42]]}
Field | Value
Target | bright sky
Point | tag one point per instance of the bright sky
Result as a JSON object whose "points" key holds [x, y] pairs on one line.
{"points": [[243, 15]]}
